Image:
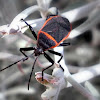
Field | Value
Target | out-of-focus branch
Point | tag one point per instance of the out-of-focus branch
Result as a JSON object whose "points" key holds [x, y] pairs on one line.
{"points": [[11, 57], [96, 36], [24, 14], [81, 12], [80, 88], [18, 90], [90, 73], [93, 19], [44, 6], [93, 90], [15, 27], [73, 80], [16, 76], [80, 77], [70, 79], [26, 38], [37, 24]]}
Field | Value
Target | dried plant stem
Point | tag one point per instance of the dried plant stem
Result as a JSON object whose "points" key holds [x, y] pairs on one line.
{"points": [[80, 12], [71, 80], [90, 73], [80, 88], [94, 18], [24, 14], [44, 5]]}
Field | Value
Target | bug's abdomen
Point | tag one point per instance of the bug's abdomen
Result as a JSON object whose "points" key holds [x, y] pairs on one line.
{"points": [[45, 42], [55, 30], [58, 27]]}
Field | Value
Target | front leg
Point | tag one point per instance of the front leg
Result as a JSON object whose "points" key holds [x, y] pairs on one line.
{"points": [[26, 49]]}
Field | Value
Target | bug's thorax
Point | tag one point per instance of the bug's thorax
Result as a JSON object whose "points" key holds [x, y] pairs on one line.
{"points": [[38, 50]]}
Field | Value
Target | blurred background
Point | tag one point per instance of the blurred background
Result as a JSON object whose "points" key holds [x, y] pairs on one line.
{"points": [[83, 53]]}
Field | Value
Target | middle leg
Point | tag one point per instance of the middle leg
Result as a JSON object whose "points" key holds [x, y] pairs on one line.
{"points": [[56, 53], [50, 60], [65, 44], [59, 54]]}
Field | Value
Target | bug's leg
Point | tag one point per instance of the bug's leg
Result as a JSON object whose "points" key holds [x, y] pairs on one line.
{"points": [[23, 59], [31, 29], [50, 16], [59, 54], [64, 44], [31, 72], [22, 51], [26, 49], [50, 60], [56, 53]]}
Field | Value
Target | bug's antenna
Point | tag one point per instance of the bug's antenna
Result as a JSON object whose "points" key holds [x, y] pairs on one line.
{"points": [[32, 72], [25, 22], [24, 59], [31, 29]]}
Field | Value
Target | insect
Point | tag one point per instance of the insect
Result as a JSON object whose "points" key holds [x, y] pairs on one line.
{"points": [[54, 31]]}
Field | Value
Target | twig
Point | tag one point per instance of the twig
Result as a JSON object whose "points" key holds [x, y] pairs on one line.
{"points": [[80, 77], [94, 18], [44, 5], [15, 27], [70, 79], [24, 14], [39, 22], [80, 88], [90, 73], [92, 89], [19, 90], [81, 12]]}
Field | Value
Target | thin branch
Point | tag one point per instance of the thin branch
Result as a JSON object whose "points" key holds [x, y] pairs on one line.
{"points": [[72, 80], [80, 88], [92, 89], [90, 73], [94, 19], [37, 24], [81, 12], [19, 90], [15, 26], [24, 14], [44, 5]]}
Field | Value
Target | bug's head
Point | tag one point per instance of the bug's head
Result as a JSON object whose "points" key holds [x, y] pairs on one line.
{"points": [[38, 51]]}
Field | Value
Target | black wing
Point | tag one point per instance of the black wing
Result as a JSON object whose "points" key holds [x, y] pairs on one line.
{"points": [[58, 27]]}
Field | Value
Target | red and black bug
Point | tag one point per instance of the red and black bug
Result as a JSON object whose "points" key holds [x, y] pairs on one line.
{"points": [[54, 31]]}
